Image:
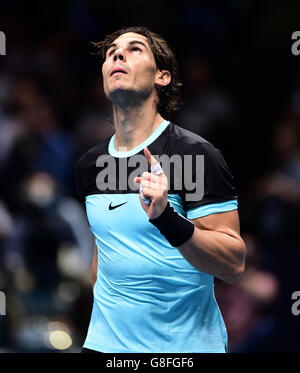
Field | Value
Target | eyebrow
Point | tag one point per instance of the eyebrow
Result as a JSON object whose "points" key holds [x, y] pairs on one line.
{"points": [[130, 43]]}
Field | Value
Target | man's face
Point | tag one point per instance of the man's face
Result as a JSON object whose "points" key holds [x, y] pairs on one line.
{"points": [[129, 65]]}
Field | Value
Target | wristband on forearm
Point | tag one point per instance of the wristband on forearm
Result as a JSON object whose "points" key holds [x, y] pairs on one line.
{"points": [[173, 226]]}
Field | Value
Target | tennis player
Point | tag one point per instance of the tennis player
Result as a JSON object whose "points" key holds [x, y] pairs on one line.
{"points": [[157, 247]]}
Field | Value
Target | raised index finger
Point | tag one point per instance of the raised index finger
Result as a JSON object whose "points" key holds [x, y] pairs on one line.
{"points": [[155, 166], [152, 161]]}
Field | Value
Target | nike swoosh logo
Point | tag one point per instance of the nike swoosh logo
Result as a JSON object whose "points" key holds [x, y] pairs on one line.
{"points": [[114, 207]]}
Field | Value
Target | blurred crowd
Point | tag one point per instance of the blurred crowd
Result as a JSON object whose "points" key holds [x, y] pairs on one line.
{"points": [[52, 109]]}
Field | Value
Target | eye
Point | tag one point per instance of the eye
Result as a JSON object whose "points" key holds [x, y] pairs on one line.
{"points": [[136, 50], [110, 52]]}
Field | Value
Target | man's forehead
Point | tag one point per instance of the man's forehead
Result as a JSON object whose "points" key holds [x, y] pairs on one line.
{"points": [[129, 36]]}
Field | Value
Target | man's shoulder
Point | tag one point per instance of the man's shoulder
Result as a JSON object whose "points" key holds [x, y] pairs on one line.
{"points": [[188, 141], [90, 156]]}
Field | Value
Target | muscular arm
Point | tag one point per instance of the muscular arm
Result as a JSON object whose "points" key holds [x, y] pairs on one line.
{"points": [[94, 265], [216, 246]]}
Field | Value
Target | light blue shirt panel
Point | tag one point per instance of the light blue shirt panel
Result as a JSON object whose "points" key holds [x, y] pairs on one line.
{"points": [[212, 208], [147, 297]]}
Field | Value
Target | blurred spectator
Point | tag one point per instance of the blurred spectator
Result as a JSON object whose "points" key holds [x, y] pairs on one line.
{"points": [[273, 214], [277, 193], [42, 145], [246, 305], [44, 258], [44, 222], [207, 108], [94, 122]]}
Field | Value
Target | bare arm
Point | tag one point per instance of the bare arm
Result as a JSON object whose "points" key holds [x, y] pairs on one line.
{"points": [[94, 265], [216, 246]]}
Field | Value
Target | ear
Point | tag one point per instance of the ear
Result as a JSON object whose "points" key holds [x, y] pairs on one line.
{"points": [[163, 77]]}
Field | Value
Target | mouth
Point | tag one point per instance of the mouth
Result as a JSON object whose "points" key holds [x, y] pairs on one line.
{"points": [[118, 70]]}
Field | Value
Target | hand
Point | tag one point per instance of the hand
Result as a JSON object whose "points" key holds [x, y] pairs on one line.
{"points": [[154, 187]]}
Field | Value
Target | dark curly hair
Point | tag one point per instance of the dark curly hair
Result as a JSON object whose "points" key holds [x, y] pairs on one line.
{"points": [[168, 96]]}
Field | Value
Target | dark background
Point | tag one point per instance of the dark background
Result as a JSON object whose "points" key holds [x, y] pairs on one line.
{"points": [[241, 91]]}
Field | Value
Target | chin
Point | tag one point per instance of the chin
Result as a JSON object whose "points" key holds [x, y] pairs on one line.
{"points": [[115, 91], [121, 95]]}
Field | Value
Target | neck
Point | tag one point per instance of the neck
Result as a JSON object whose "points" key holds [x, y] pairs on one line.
{"points": [[134, 124]]}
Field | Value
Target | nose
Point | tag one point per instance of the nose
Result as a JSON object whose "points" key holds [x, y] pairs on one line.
{"points": [[119, 53]]}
